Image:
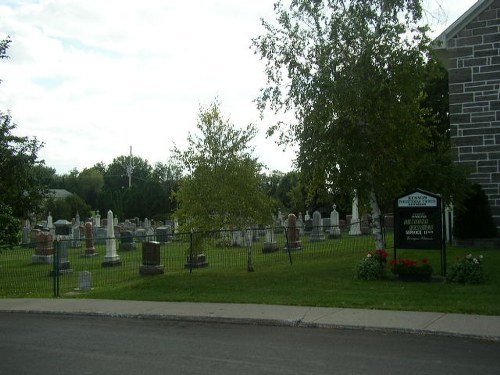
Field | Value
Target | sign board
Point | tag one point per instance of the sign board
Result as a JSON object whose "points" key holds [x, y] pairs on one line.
{"points": [[418, 221]]}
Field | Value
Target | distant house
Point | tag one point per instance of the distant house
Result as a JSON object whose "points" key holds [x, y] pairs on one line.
{"points": [[58, 194], [470, 49]]}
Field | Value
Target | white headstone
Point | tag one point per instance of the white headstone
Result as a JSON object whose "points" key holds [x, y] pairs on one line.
{"points": [[355, 229], [334, 222], [97, 219], [111, 255], [85, 280]]}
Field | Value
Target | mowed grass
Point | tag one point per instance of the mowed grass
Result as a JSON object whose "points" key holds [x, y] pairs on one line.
{"points": [[322, 274]]}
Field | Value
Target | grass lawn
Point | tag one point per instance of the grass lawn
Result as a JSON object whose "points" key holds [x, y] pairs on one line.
{"points": [[328, 282], [317, 277]]}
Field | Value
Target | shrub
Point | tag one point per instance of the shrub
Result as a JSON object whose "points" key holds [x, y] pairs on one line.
{"points": [[372, 267], [411, 269], [468, 270], [474, 220]]}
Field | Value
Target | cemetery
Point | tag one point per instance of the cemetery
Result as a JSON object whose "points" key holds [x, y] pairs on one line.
{"points": [[84, 261], [108, 251]]}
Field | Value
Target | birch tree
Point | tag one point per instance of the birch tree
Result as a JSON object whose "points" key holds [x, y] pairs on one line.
{"points": [[350, 73]]}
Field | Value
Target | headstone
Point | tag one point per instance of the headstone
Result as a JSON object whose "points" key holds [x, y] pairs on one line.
{"points": [[317, 230], [292, 234], [77, 219], [89, 241], [140, 235], [334, 223], [307, 217], [355, 227], [44, 250], [238, 238], [26, 232], [50, 225], [33, 236], [63, 240], [127, 240], [97, 219], [100, 235], [270, 244], [112, 258], [163, 234], [151, 259], [300, 224], [85, 280]]}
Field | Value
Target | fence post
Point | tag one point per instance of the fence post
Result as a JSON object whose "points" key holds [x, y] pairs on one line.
{"points": [[287, 245], [55, 268], [191, 251]]}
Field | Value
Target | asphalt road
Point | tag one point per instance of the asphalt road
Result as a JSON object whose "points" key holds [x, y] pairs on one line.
{"points": [[54, 344]]}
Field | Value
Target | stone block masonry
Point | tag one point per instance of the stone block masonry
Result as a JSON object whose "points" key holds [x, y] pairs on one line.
{"points": [[474, 79]]}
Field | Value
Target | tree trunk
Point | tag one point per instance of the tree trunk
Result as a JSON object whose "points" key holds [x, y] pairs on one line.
{"points": [[377, 226], [248, 238]]}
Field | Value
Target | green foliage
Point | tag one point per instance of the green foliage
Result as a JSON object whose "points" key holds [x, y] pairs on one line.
{"points": [[474, 219], [468, 270], [411, 269], [349, 71], [22, 187], [68, 207], [222, 187], [9, 226], [436, 170], [372, 267]]}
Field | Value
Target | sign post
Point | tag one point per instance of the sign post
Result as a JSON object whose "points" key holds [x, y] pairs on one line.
{"points": [[419, 223]]}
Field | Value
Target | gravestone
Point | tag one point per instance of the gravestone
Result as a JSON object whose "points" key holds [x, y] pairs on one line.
{"points": [[89, 241], [300, 224], [26, 232], [84, 280], [270, 244], [151, 259], [317, 229], [50, 225], [334, 223], [33, 236], [292, 234], [238, 238], [127, 240], [111, 258], [355, 225], [97, 219], [75, 233], [100, 235], [163, 234], [63, 240], [44, 249], [141, 235]]}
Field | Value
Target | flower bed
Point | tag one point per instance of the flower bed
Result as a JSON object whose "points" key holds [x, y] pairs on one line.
{"points": [[411, 270]]}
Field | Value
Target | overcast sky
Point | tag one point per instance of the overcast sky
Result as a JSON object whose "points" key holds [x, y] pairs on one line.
{"points": [[92, 78]]}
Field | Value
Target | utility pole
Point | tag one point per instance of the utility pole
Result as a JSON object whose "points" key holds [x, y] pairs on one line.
{"points": [[130, 168]]}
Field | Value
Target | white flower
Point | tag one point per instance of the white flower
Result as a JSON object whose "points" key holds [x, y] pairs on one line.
{"points": [[469, 256], [368, 255], [475, 261]]}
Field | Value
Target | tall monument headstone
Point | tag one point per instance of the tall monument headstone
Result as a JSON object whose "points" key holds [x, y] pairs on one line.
{"points": [[112, 258]]}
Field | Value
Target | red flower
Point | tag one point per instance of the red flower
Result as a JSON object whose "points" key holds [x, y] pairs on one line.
{"points": [[382, 253], [393, 262], [425, 260]]}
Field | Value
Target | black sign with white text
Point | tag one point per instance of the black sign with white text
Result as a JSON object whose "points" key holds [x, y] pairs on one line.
{"points": [[418, 221]]}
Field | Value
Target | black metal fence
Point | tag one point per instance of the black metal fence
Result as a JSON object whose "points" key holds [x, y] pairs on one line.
{"points": [[66, 265]]}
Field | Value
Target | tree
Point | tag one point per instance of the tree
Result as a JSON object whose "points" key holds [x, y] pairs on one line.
{"points": [[436, 170], [68, 207], [348, 70], [21, 187], [222, 188]]}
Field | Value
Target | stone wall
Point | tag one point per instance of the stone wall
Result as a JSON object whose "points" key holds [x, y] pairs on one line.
{"points": [[474, 82]]}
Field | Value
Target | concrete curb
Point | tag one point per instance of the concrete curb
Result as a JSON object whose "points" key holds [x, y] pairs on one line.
{"points": [[407, 322]]}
